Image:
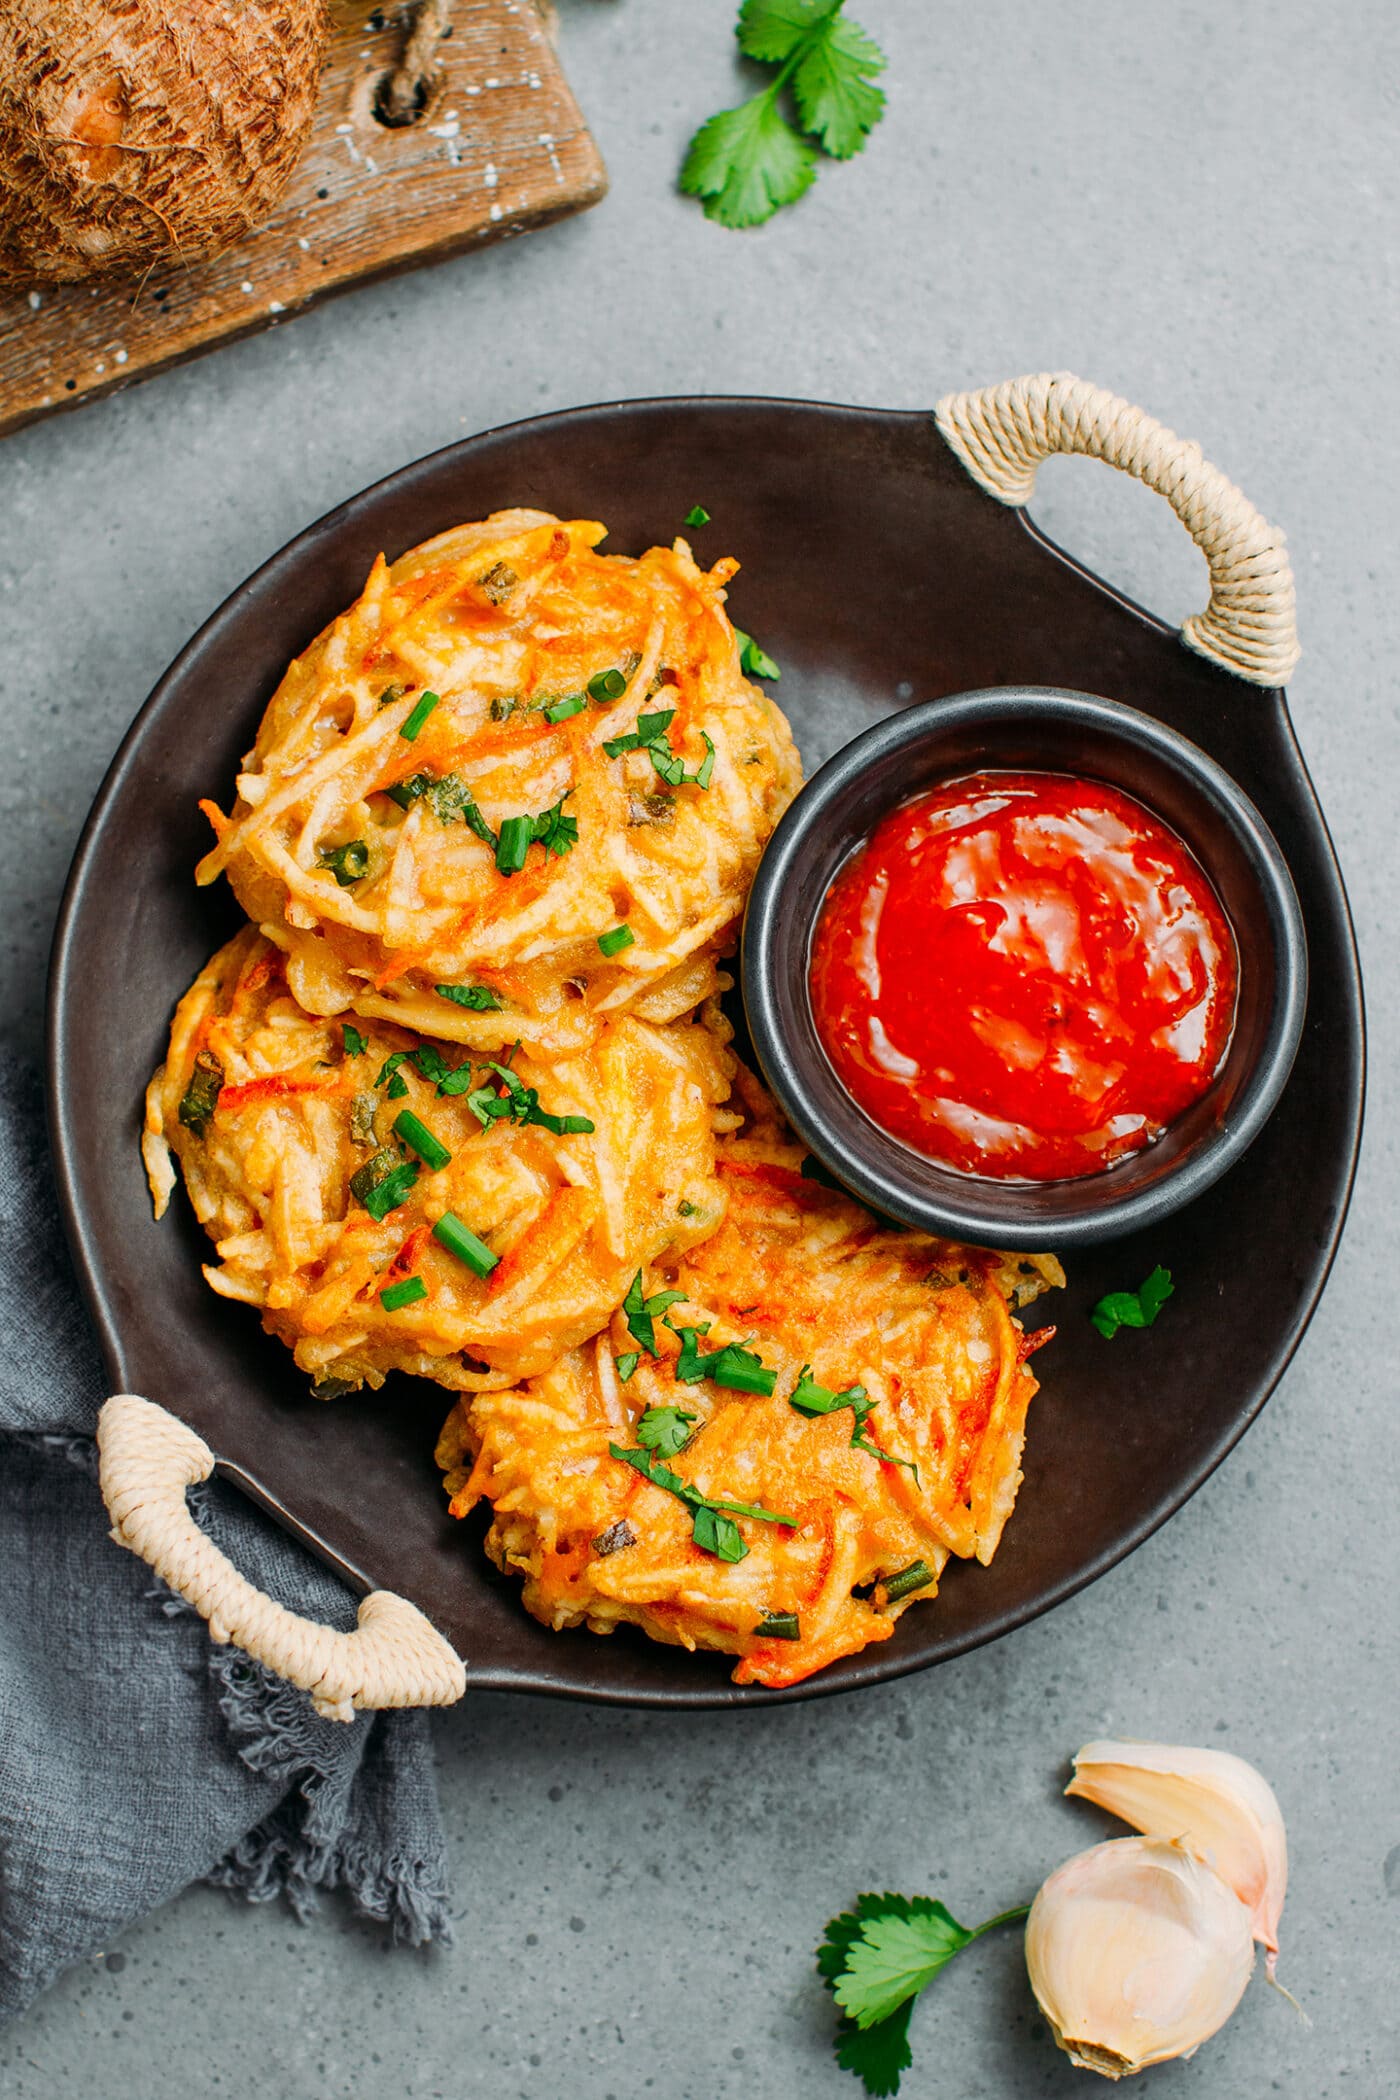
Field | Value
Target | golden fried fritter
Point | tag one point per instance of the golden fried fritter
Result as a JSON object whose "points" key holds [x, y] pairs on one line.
{"points": [[336, 1165], [508, 751], [860, 1417]]}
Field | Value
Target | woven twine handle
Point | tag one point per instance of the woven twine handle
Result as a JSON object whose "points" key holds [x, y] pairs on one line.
{"points": [[393, 1658], [1001, 434]]}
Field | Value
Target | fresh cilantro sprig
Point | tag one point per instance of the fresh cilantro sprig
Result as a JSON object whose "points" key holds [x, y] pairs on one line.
{"points": [[811, 1400], [665, 1430], [1133, 1308], [875, 1960], [643, 1312], [746, 163], [739, 1369]]}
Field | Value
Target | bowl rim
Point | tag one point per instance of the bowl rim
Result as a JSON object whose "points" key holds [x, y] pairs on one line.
{"points": [[864, 1157]]}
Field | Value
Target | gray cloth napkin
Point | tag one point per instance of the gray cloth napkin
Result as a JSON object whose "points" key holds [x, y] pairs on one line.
{"points": [[135, 1755]]}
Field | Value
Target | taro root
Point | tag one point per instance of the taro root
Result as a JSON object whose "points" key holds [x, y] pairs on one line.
{"points": [[138, 132]]}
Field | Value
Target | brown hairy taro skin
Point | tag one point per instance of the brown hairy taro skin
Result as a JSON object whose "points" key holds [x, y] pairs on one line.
{"points": [[147, 131]]}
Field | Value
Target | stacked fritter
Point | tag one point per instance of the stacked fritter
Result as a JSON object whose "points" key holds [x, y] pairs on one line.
{"points": [[459, 1101]]}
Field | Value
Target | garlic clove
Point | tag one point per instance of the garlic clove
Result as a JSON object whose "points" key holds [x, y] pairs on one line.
{"points": [[1217, 1805], [1137, 1952]]}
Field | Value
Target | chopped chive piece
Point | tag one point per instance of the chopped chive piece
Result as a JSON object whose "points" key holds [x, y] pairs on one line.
{"points": [[383, 1182], [200, 1098], [513, 843], [421, 1140], [477, 998], [451, 1233], [408, 1292], [754, 661], [1133, 1308], [390, 694], [917, 1576], [355, 1044], [778, 1626], [347, 863], [685, 1209], [604, 686], [627, 1364], [571, 704], [696, 515], [408, 791], [419, 714], [614, 941]]}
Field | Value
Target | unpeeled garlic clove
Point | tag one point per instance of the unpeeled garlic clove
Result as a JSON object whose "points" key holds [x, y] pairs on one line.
{"points": [[1137, 1953], [1217, 1805]]}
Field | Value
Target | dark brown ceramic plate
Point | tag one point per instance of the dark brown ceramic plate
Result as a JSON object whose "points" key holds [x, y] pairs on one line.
{"points": [[876, 572]]}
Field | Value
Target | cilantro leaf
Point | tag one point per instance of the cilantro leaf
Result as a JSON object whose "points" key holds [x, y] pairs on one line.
{"points": [[895, 1956], [878, 2055], [477, 998], [355, 1044], [627, 1364], [771, 30], [756, 663], [665, 1429], [811, 1399], [832, 86], [746, 163], [642, 1312], [1133, 1308], [556, 832], [875, 1960]]}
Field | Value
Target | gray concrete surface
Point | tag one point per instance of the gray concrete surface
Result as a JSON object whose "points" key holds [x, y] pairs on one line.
{"points": [[1195, 206]]}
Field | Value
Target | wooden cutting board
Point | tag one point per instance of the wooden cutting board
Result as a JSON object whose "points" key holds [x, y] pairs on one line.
{"points": [[500, 148]]}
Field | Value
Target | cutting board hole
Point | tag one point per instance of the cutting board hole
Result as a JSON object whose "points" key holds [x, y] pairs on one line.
{"points": [[391, 108]]}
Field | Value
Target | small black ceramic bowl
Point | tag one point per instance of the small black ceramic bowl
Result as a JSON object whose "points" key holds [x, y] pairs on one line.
{"points": [[1030, 728]]}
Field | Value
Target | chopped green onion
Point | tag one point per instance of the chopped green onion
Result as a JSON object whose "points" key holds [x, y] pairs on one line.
{"points": [[451, 1233], [408, 1292], [604, 686], [390, 694], [753, 660], [477, 998], [418, 1136], [778, 1626], [627, 1364], [411, 790], [917, 1576], [618, 938], [571, 704], [383, 1183], [347, 863], [201, 1096], [422, 708], [513, 843], [697, 515], [355, 1044]]}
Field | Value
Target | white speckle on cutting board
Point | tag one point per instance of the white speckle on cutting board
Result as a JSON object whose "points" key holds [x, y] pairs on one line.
{"points": [[36, 300], [547, 141], [493, 82], [449, 131], [99, 366], [247, 285], [489, 175], [119, 357], [275, 306], [304, 243], [495, 211], [473, 90], [343, 132]]}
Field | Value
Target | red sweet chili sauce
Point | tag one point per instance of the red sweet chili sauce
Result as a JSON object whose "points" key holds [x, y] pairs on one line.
{"points": [[1023, 975]]}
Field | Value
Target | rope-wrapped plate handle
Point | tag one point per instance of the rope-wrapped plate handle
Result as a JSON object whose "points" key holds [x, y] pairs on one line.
{"points": [[395, 1657], [1002, 433]]}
